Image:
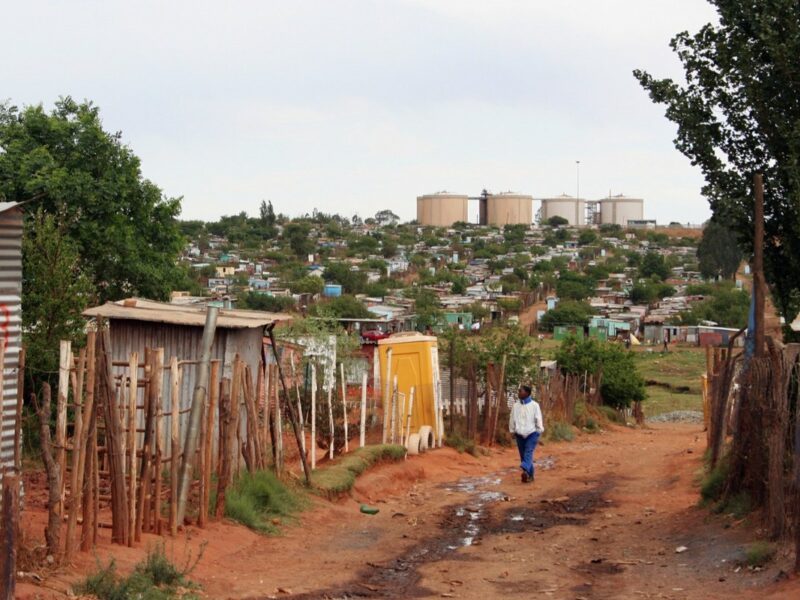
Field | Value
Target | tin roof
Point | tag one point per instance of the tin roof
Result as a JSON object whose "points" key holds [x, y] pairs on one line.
{"points": [[137, 309]]}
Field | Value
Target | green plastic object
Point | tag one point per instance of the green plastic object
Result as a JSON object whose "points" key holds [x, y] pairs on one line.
{"points": [[369, 510]]}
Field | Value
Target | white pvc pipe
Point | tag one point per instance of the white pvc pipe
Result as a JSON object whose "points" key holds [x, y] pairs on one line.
{"points": [[410, 410], [362, 433], [344, 407], [313, 416]]}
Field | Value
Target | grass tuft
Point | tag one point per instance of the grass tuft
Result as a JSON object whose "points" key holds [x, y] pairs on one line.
{"points": [[340, 477], [257, 499], [759, 554], [155, 578], [461, 443], [612, 414], [560, 432]]}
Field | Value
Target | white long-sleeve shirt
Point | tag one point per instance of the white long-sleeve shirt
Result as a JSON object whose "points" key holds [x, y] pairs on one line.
{"points": [[526, 418]]}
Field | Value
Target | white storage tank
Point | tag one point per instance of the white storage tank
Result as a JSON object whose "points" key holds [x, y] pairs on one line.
{"points": [[570, 208], [442, 209], [618, 210], [509, 208]]}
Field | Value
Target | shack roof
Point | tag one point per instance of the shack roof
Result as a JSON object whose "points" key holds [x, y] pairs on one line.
{"points": [[137, 309]]}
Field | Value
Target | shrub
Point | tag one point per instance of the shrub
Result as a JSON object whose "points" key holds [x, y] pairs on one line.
{"points": [[155, 578], [621, 385], [255, 499], [759, 554], [560, 432], [461, 443], [714, 483]]}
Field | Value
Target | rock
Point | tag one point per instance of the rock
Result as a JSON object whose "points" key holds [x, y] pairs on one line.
{"points": [[681, 549]]}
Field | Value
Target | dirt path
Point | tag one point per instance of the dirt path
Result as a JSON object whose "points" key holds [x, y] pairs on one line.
{"points": [[603, 520]]}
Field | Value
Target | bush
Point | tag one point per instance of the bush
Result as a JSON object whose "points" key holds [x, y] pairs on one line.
{"points": [[568, 313], [461, 443], [560, 432], [621, 385], [759, 554], [714, 482], [255, 499], [155, 578], [612, 414]]}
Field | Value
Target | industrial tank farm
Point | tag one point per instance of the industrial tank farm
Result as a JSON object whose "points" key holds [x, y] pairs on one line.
{"points": [[442, 209], [618, 210], [509, 209], [570, 208]]}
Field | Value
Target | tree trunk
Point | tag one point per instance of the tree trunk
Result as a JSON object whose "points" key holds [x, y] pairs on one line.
{"points": [[52, 533]]}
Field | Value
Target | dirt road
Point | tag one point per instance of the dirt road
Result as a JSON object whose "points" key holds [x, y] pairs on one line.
{"points": [[603, 520]]}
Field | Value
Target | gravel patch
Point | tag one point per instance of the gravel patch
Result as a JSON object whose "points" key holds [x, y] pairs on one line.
{"points": [[678, 416]]}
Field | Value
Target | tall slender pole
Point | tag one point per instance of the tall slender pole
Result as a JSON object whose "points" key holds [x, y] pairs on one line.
{"points": [[196, 413], [289, 407], [758, 263], [313, 416], [362, 434]]}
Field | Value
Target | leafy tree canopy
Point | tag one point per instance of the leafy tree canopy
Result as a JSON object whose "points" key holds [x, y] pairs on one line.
{"points": [[737, 115], [121, 225], [568, 313], [718, 253]]}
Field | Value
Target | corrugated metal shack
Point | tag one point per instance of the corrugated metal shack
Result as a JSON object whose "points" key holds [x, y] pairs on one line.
{"points": [[10, 321], [136, 324]]}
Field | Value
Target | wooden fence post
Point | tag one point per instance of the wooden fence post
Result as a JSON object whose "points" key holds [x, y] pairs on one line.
{"points": [[9, 526]]}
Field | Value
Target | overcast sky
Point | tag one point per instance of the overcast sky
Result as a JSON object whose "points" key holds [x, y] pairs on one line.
{"points": [[352, 106]]}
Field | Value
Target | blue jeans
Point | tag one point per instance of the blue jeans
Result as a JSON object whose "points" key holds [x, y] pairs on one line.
{"points": [[526, 446]]}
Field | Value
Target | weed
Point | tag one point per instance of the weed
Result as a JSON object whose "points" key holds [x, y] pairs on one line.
{"points": [[256, 499], [612, 414], [739, 506], [340, 477], [155, 578], [560, 432], [759, 554], [461, 443], [714, 482]]}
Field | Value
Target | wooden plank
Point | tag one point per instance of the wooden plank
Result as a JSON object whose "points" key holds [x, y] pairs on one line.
{"points": [[87, 531], [133, 390], [363, 421], [65, 356], [78, 454], [158, 410], [175, 443], [213, 397], [9, 526]]}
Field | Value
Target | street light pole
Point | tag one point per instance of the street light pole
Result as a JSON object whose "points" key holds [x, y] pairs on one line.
{"points": [[578, 191]]}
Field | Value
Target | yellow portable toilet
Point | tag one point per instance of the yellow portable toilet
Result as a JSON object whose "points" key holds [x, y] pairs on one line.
{"points": [[412, 360]]}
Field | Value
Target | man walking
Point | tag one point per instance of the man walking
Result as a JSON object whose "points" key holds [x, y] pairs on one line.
{"points": [[527, 425]]}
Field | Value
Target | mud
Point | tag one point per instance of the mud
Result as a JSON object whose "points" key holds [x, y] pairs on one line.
{"points": [[483, 514]]}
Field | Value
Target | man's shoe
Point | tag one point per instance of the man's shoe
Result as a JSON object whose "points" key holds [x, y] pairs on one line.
{"points": [[524, 477]]}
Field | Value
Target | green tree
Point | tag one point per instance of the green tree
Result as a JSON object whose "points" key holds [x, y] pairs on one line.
{"points": [[297, 234], [265, 302], [728, 307], [572, 286], [621, 383], [653, 264], [426, 307], [737, 115], [124, 230], [342, 307], [568, 313], [55, 291], [557, 221], [718, 253], [309, 284], [586, 237], [352, 282]]}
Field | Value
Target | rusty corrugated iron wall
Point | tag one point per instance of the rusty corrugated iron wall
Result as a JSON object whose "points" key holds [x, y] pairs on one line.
{"points": [[10, 321]]}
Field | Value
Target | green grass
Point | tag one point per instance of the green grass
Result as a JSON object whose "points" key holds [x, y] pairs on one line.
{"points": [[759, 554], [462, 444], [258, 499], [155, 578], [339, 478], [713, 483], [612, 414], [559, 432], [660, 400], [680, 367]]}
